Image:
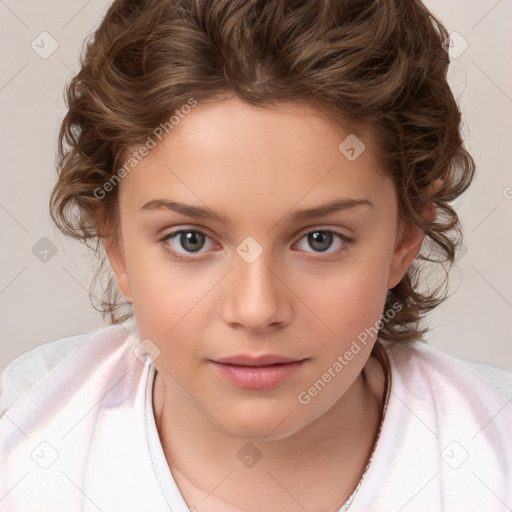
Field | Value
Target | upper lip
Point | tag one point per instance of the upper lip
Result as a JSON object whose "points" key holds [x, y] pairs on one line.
{"points": [[249, 360]]}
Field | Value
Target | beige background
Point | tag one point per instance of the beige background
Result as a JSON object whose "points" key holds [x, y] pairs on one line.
{"points": [[40, 302]]}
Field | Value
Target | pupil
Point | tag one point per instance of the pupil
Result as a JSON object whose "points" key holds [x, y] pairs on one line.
{"points": [[322, 238], [190, 238]]}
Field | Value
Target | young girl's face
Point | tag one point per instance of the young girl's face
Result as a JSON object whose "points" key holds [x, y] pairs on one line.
{"points": [[259, 278]]}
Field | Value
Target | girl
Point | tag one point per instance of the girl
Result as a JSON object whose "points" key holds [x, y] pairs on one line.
{"points": [[311, 150]]}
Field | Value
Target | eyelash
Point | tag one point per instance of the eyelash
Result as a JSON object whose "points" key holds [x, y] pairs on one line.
{"points": [[347, 242]]}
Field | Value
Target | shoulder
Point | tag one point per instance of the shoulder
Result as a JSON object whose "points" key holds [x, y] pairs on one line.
{"points": [[421, 363], [453, 397], [22, 373], [32, 367], [447, 424], [89, 399]]}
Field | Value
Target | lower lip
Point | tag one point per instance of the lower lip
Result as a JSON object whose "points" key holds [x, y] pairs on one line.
{"points": [[258, 377]]}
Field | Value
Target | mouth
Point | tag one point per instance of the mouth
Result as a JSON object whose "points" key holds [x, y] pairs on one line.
{"points": [[257, 372]]}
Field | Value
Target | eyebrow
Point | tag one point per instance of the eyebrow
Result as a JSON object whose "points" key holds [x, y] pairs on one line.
{"points": [[341, 204]]}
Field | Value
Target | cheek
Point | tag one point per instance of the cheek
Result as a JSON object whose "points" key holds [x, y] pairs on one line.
{"points": [[166, 306], [169, 301], [167, 316], [162, 290], [349, 298]]}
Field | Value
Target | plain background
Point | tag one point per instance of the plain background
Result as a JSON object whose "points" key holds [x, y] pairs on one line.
{"points": [[43, 301]]}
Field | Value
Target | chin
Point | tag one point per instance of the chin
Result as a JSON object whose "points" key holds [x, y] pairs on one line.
{"points": [[262, 422]]}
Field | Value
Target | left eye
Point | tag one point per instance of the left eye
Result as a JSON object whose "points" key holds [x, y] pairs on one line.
{"points": [[192, 241], [322, 239]]}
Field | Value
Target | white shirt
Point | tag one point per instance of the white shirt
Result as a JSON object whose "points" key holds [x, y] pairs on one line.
{"points": [[79, 433]]}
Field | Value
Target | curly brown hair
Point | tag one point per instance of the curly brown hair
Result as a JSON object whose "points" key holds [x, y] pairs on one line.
{"points": [[378, 63]]}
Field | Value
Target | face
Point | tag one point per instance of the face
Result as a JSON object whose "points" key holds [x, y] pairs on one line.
{"points": [[259, 283]]}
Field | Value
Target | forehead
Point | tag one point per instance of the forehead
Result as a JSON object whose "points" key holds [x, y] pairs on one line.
{"points": [[301, 128], [285, 154]]}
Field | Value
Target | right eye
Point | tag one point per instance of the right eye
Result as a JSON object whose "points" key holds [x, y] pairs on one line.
{"points": [[191, 240]]}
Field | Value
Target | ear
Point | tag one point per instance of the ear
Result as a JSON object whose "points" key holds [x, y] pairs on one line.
{"points": [[115, 253], [409, 240]]}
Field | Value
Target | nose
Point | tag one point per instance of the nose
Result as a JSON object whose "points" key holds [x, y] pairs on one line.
{"points": [[257, 297]]}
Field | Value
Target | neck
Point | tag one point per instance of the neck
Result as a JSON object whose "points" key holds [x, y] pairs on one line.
{"points": [[326, 458]]}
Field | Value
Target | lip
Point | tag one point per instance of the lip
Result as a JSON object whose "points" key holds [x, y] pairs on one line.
{"points": [[249, 360], [257, 372]]}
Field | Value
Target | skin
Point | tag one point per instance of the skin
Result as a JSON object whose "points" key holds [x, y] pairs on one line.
{"points": [[255, 166]]}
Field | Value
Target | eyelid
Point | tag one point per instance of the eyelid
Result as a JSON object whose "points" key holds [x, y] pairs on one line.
{"points": [[307, 229], [319, 227]]}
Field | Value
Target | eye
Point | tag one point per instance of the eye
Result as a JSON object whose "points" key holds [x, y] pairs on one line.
{"points": [[321, 239], [191, 240]]}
